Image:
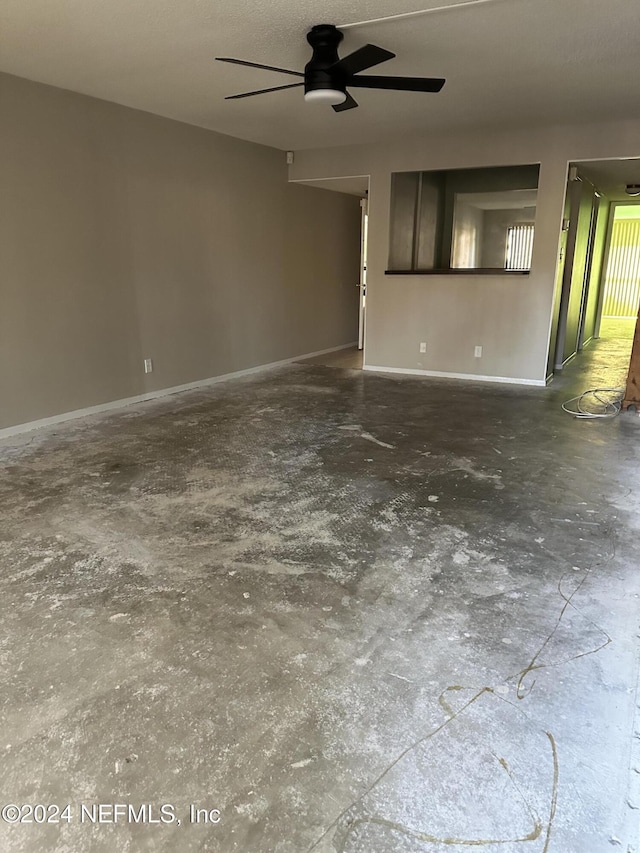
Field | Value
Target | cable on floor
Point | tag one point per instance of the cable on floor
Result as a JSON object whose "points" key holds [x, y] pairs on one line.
{"points": [[595, 404]]}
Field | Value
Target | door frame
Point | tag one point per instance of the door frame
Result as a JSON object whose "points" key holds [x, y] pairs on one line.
{"points": [[362, 284], [596, 207], [574, 192], [605, 261], [605, 267], [354, 191]]}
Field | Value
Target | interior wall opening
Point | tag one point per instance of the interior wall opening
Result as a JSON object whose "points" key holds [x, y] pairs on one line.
{"points": [[353, 356], [598, 280], [621, 282]]}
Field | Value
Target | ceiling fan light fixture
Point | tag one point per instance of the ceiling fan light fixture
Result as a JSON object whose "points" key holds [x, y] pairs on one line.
{"points": [[333, 97], [327, 78]]}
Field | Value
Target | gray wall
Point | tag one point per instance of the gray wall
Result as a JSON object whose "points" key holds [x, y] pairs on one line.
{"points": [[430, 224], [416, 244], [557, 296], [124, 236], [468, 230], [495, 233], [403, 214], [510, 316]]}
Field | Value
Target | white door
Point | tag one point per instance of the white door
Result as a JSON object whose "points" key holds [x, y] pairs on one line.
{"points": [[364, 206]]}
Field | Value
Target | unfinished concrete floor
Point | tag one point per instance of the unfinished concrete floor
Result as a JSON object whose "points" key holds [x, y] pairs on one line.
{"points": [[353, 612]]}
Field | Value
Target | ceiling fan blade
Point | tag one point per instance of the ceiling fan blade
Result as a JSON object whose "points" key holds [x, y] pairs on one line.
{"points": [[258, 65], [363, 58], [349, 104], [262, 91], [401, 84]]}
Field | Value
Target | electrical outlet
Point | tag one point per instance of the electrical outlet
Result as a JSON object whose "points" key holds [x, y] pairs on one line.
{"points": [[148, 365], [423, 346], [478, 352]]}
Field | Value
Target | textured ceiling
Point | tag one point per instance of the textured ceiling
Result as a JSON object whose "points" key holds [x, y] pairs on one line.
{"points": [[507, 62]]}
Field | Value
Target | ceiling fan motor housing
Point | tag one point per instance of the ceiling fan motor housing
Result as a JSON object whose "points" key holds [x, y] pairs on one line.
{"points": [[326, 76], [324, 39]]}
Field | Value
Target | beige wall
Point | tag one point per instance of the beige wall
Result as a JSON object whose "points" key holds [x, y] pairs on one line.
{"points": [[508, 315], [124, 236]]}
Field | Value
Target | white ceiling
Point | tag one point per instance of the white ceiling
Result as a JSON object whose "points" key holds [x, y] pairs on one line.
{"points": [[507, 62], [352, 186], [610, 177], [501, 200]]}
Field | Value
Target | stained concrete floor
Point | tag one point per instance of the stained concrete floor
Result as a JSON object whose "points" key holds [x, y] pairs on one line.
{"points": [[353, 612]]}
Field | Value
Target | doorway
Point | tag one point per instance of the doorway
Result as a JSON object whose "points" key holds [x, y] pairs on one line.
{"points": [[353, 357], [598, 286]]}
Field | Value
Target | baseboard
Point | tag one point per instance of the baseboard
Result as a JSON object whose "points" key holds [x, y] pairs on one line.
{"points": [[473, 377], [7, 432]]}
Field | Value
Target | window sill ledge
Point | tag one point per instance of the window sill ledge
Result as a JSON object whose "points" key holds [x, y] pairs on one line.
{"points": [[478, 271]]}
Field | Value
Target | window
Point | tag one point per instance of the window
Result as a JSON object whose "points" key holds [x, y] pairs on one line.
{"points": [[519, 247]]}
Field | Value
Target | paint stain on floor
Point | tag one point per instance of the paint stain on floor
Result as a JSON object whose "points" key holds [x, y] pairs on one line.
{"points": [[328, 605]]}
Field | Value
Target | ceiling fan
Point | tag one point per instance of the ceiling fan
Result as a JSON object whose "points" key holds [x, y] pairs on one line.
{"points": [[326, 76]]}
